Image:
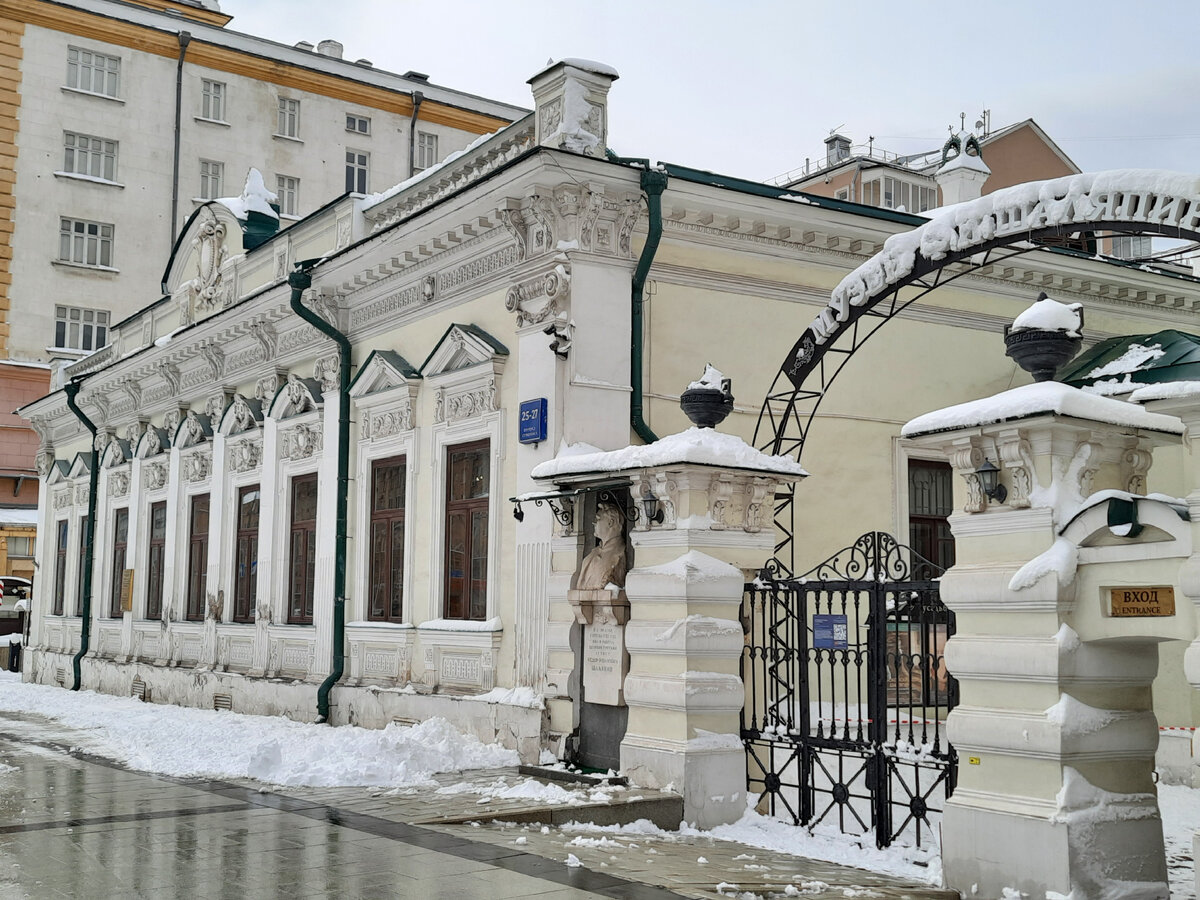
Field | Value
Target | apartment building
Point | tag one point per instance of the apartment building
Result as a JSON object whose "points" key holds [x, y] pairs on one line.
{"points": [[118, 119]]}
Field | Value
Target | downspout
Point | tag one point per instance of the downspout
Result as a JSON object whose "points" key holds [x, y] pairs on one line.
{"points": [[417, 99], [185, 38], [299, 281], [89, 529]]}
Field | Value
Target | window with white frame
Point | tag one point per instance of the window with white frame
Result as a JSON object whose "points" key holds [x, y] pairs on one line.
{"points": [[77, 328], [212, 100], [289, 118], [212, 176], [356, 171], [358, 124], [85, 154], [20, 545], [95, 73], [427, 150], [1131, 246], [287, 189], [85, 243], [899, 194]]}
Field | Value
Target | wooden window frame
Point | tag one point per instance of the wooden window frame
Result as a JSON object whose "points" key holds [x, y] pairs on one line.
{"points": [[60, 566], [245, 580], [306, 531], [197, 558], [119, 551], [156, 562], [469, 507], [387, 518]]}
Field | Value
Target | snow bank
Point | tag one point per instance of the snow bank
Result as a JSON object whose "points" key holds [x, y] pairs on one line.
{"points": [[705, 446], [200, 743], [1036, 399]]}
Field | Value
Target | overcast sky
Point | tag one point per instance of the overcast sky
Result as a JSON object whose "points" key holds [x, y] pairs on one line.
{"points": [[751, 88]]}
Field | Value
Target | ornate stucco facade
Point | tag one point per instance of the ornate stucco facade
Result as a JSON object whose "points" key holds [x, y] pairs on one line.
{"points": [[504, 277]]}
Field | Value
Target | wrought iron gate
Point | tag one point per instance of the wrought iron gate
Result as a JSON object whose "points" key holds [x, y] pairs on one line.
{"points": [[847, 693]]}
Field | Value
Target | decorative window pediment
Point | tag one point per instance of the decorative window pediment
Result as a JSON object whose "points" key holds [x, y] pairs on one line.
{"points": [[464, 370], [385, 391], [80, 466], [242, 414], [195, 428], [296, 397], [153, 441], [116, 452], [461, 347], [60, 471]]}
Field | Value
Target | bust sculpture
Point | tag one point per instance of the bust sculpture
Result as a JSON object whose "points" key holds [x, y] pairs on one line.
{"points": [[606, 563]]}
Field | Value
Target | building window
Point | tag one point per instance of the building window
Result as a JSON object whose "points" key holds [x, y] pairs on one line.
{"points": [[76, 328], [358, 124], [212, 100], [427, 154], [85, 243], [157, 560], [20, 546], [842, 194], [84, 154], [467, 488], [60, 569], [1131, 246], [870, 193], [245, 589], [197, 569], [930, 502], [212, 174], [120, 544], [83, 545], [899, 194], [356, 171], [289, 118], [302, 561], [387, 539], [287, 189], [95, 73]]}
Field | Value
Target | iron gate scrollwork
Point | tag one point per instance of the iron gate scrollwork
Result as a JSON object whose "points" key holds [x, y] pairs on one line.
{"points": [[847, 693]]}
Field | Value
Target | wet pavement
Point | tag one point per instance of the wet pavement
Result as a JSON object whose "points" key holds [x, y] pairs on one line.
{"points": [[74, 825]]}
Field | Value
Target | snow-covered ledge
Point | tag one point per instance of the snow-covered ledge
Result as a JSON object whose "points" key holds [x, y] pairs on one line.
{"points": [[1055, 728], [461, 654], [677, 654]]}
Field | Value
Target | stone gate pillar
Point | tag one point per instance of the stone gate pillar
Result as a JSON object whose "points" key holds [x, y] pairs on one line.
{"points": [[1054, 729]]}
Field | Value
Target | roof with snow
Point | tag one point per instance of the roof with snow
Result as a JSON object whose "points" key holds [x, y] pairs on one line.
{"points": [[1120, 364], [1038, 399]]}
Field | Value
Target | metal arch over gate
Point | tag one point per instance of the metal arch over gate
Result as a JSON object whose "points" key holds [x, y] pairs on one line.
{"points": [[846, 693], [972, 236]]}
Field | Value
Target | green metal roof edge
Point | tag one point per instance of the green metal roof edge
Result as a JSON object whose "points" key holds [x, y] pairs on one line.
{"points": [[394, 359]]}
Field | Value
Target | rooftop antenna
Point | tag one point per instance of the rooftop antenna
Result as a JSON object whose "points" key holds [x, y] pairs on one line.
{"points": [[962, 121], [837, 129]]}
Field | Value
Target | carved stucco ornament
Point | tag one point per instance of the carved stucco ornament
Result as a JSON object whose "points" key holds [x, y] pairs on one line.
{"points": [[209, 243], [538, 299]]}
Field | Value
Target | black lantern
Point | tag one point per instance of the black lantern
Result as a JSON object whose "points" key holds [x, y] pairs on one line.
{"points": [[989, 480], [650, 505]]}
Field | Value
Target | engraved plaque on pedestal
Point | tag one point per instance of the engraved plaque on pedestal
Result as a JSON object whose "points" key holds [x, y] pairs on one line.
{"points": [[604, 667]]}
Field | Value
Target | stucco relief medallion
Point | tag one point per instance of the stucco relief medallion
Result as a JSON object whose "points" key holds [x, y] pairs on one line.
{"points": [[156, 476], [209, 244], [118, 484], [244, 456]]}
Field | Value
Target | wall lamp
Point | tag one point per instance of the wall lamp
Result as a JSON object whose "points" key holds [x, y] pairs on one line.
{"points": [[650, 505], [989, 480]]}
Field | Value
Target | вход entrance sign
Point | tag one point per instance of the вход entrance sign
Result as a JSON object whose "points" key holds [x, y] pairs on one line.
{"points": [[1142, 601]]}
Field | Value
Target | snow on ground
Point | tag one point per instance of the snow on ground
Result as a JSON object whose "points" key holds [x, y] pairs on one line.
{"points": [[202, 743]]}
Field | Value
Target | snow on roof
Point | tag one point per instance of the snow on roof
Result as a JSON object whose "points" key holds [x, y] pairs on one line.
{"points": [[965, 161], [1047, 314], [18, 516], [1035, 399], [255, 198], [373, 200], [1014, 210], [587, 65], [1132, 360], [1169, 390], [703, 446]]}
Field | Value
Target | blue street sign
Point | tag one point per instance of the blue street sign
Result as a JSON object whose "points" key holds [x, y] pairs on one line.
{"points": [[532, 421], [830, 632]]}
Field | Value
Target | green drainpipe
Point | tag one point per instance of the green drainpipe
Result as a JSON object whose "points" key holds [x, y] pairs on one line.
{"points": [[89, 529], [653, 183], [300, 280]]}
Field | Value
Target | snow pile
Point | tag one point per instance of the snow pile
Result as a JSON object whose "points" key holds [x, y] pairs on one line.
{"points": [[705, 446], [1036, 399], [201, 743], [1047, 314], [713, 379], [1166, 391], [1134, 195], [255, 198], [1076, 717], [531, 790], [966, 161], [1062, 559], [693, 567]]}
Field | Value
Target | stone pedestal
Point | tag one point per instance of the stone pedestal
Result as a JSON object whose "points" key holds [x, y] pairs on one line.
{"points": [[1055, 730]]}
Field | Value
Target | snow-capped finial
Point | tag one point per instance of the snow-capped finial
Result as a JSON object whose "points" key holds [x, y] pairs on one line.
{"points": [[708, 401]]}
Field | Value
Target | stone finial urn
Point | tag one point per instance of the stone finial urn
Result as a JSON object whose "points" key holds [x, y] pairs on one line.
{"points": [[708, 401], [1044, 337]]}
